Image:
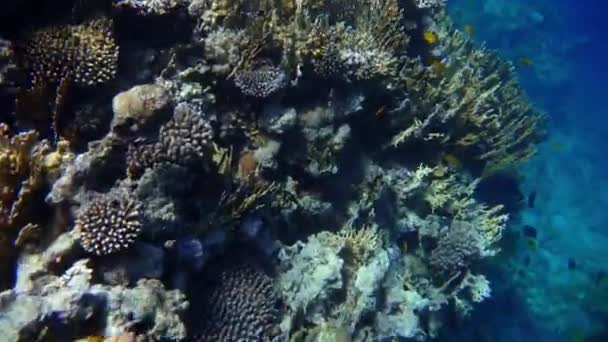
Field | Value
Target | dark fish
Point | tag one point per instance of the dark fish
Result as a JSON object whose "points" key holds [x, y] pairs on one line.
{"points": [[530, 231], [531, 199], [571, 264], [527, 260], [599, 276]]}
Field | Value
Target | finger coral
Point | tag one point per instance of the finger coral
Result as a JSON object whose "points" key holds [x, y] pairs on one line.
{"points": [[240, 306], [184, 140], [108, 225], [85, 53]]}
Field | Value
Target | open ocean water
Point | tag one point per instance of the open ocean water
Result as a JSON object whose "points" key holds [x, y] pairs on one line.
{"points": [[560, 49]]}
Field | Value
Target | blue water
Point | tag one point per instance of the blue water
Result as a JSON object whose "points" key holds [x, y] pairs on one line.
{"points": [[560, 49]]}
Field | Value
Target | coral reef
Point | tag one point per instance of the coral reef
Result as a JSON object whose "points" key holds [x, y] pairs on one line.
{"points": [[327, 139]]}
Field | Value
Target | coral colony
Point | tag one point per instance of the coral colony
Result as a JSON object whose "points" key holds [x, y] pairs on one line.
{"points": [[250, 170]]}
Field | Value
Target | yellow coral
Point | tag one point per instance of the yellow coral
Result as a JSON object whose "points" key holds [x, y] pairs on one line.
{"points": [[474, 103], [361, 243], [21, 176]]}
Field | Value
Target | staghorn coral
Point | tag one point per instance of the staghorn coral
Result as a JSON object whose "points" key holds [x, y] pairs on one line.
{"points": [[470, 103], [261, 82], [87, 54], [240, 306], [370, 47], [108, 224]]}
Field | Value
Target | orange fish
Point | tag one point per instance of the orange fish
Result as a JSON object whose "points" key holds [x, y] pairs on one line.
{"points": [[526, 61]]}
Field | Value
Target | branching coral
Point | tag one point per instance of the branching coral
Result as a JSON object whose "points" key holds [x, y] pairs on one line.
{"points": [[240, 306], [471, 102], [22, 175], [86, 53], [368, 44], [184, 140], [455, 197], [108, 225]]}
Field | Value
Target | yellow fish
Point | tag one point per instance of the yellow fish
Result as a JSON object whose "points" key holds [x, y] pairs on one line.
{"points": [[452, 160], [526, 61], [430, 37], [438, 65], [557, 146], [469, 29]]}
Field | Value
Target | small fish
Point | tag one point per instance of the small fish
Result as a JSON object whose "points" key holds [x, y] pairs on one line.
{"points": [[468, 28], [557, 146], [530, 232], [571, 264], [452, 161], [526, 61], [438, 65], [532, 244], [599, 276], [430, 37], [527, 260], [531, 199]]}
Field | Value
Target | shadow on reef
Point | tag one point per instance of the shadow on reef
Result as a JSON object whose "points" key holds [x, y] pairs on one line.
{"points": [[220, 170]]}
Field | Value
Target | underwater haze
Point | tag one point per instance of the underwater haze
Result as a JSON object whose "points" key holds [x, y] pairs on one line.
{"points": [[565, 41], [303, 170]]}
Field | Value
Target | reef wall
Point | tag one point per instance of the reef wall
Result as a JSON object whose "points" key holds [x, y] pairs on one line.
{"points": [[216, 170]]}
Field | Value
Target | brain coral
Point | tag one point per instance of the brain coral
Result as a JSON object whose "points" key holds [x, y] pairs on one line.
{"points": [[239, 306]]}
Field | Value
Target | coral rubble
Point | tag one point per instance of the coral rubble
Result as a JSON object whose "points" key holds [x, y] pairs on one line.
{"points": [[326, 138]]}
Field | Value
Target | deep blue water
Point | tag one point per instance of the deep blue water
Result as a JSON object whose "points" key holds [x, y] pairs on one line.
{"points": [[566, 42]]}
